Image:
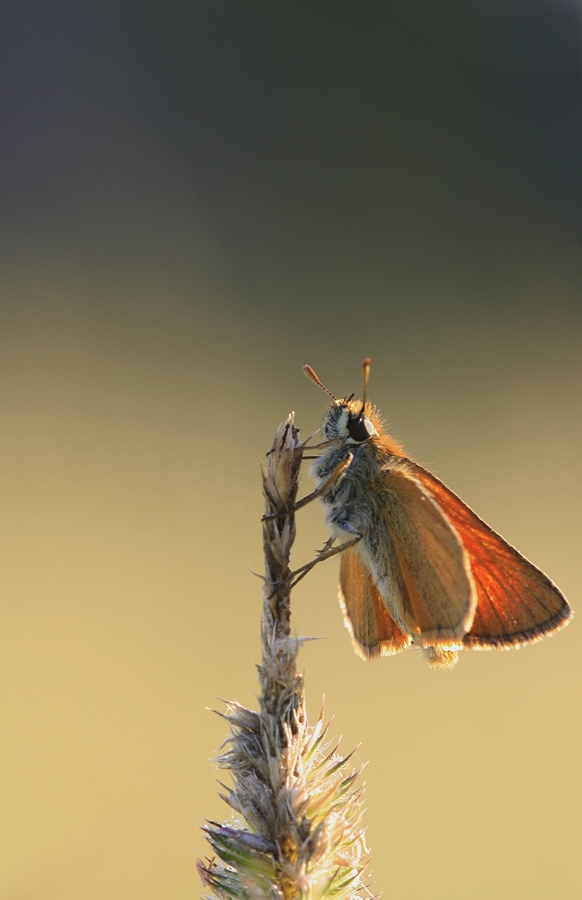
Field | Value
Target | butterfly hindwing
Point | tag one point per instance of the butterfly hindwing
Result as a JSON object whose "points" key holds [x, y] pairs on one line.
{"points": [[373, 631]]}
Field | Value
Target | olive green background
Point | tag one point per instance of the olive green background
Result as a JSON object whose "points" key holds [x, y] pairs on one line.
{"points": [[196, 200]]}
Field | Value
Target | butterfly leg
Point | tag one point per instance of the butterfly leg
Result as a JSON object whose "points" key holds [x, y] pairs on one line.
{"points": [[326, 552], [329, 481], [321, 490]]}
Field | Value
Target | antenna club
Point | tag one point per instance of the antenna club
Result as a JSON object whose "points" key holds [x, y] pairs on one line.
{"points": [[366, 367], [307, 370]]}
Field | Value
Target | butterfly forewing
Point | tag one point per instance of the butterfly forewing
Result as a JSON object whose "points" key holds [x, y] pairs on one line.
{"points": [[434, 569], [373, 631], [516, 602]]}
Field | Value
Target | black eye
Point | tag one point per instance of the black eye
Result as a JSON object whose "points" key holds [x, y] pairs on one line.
{"points": [[360, 428]]}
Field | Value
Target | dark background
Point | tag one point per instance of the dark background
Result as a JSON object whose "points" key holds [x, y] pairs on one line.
{"points": [[195, 200]]}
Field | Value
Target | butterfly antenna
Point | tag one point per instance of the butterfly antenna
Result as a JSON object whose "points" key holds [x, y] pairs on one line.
{"points": [[313, 377], [366, 367]]}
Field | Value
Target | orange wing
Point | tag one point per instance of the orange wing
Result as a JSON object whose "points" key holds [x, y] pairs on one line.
{"points": [[516, 602], [431, 594], [365, 615]]}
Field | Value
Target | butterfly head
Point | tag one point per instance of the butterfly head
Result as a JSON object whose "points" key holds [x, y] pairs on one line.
{"points": [[347, 420]]}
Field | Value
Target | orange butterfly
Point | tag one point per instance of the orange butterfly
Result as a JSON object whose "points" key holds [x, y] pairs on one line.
{"points": [[418, 567]]}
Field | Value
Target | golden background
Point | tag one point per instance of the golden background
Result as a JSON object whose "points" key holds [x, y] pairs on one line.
{"points": [[196, 200]]}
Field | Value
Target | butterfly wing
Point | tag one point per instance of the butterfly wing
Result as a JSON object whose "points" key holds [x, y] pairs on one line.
{"points": [[431, 584], [516, 602], [373, 631]]}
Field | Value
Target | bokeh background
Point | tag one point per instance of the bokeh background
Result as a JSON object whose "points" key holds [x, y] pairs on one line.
{"points": [[197, 199]]}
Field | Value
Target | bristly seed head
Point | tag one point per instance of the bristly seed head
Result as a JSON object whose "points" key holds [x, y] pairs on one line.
{"points": [[302, 835]]}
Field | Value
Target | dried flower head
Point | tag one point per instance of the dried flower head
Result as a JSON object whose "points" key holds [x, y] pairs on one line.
{"points": [[297, 829]]}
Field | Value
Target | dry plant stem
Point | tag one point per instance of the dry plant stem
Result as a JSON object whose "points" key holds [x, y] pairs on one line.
{"points": [[301, 836], [281, 686]]}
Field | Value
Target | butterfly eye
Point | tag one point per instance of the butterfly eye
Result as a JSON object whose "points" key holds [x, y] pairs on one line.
{"points": [[360, 428]]}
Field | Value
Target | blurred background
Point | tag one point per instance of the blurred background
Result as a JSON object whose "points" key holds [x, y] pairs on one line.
{"points": [[195, 200]]}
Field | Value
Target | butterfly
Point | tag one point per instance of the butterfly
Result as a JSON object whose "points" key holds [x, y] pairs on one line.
{"points": [[418, 567]]}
